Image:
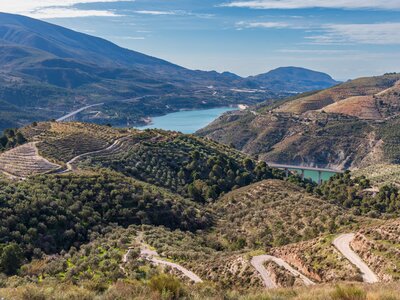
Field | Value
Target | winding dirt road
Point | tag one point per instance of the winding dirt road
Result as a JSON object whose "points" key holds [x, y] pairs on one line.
{"points": [[152, 256], [342, 243], [258, 263], [70, 166]]}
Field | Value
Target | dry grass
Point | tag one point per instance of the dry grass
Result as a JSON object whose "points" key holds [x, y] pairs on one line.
{"points": [[130, 290], [360, 106]]}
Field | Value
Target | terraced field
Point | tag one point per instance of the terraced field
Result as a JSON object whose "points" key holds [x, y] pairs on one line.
{"points": [[61, 142], [24, 161]]}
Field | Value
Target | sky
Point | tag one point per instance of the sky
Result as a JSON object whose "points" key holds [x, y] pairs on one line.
{"points": [[345, 38]]}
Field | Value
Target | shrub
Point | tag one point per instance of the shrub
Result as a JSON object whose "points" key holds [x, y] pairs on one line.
{"points": [[168, 286], [348, 293]]}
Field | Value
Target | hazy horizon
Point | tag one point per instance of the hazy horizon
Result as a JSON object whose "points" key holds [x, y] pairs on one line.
{"points": [[346, 39]]}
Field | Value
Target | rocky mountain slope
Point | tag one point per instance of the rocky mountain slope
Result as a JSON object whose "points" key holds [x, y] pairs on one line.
{"points": [[48, 71], [351, 125]]}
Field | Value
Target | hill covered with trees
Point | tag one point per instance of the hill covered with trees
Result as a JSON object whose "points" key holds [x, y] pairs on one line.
{"points": [[126, 207]]}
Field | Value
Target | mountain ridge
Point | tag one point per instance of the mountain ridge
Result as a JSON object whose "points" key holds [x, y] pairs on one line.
{"points": [[42, 62]]}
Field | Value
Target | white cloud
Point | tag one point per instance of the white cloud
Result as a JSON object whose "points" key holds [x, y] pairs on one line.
{"points": [[173, 13], [377, 34], [299, 4], [51, 13], [340, 34], [274, 25], [155, 12], [45, 9], [262, 25]]}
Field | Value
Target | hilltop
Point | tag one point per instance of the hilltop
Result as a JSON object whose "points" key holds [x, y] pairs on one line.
{"points": [[49, 71], [294, 79], [351, 125]]}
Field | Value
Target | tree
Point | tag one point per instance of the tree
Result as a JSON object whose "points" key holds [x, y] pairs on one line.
{"points": [[20, 138], [249, 164], [11, 259]]}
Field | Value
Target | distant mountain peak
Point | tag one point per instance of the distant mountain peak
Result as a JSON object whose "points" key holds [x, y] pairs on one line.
{"points": [[296, 79]]}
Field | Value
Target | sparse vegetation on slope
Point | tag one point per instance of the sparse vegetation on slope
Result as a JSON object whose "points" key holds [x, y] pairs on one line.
{"points": [[349, 126], [318, 259], [380, 174], [379, 248], [24, 161], [274, 213], [206, 255]]}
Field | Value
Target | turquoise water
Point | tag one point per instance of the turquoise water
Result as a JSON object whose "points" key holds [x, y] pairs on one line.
{"points": [[188, 121], [313, 175]]}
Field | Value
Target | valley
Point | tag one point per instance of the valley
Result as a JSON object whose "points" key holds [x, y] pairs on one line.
{"points": [[125, 176], [49, 71]]}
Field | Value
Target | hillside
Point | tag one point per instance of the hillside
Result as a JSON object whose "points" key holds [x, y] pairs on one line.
{"points": [[148, 211], [383, 241], [275, 213], [49, 71], [351, 125]]}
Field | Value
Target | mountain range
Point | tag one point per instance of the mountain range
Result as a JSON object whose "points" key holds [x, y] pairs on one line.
{"points": [[48, 70]]}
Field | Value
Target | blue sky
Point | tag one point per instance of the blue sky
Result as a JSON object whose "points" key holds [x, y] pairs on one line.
{"points": [[345, 38]]}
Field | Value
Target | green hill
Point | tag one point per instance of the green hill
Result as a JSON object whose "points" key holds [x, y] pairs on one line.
{"points": [[126, 207]]}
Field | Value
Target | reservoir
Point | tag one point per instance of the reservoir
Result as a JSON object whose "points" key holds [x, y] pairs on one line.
{"points": [[187, 121], [313, 175]]}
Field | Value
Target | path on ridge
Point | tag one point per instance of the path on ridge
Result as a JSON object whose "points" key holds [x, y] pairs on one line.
{"points": [[258, 263], [342, 243]]}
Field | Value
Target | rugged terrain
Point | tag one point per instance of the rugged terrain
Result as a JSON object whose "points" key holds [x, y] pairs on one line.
{"points": [[349, 126], [152, 212]]}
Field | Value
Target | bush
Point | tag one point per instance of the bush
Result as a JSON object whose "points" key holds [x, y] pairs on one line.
{"points": [[348, 293], [168, 286]]}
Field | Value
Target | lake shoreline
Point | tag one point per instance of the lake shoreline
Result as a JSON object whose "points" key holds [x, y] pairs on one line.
{"points": [[186, 121]]}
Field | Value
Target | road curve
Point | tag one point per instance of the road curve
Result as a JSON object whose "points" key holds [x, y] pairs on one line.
{"points": [[69, 165], [184, 271], [342, 243], [71, 114], [153, 257], [258, 263]]}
